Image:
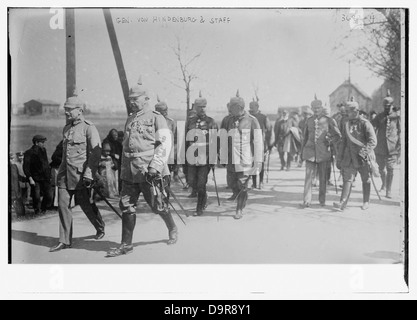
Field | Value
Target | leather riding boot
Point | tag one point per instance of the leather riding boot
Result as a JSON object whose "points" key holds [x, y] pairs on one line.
{"points": [[390, 178], [172, 228], [201, 203], [193, 195], [242, 199], [344, 198], [366, 195], [384, 180], [128, 226]]}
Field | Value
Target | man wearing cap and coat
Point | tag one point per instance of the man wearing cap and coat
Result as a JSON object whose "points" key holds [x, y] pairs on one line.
{"points": [[319, 134], [78, 172], [200, 159], [146, 149], [388, 127], [242, 149], [267, 132], [37, 171], [287, 139], [355, 149]]}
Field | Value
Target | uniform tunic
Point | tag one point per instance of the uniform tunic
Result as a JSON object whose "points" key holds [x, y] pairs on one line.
{"points": [[81, 155], [147, 144], [318, 134]]}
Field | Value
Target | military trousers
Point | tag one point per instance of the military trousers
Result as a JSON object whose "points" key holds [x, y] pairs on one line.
{"points": [[313, 169], [198, 178], [83, 199]]}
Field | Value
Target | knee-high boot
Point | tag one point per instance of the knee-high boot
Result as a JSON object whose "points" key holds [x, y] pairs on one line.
{"points": [[172, 228], [344, 198], [366, 189], [201, 203], [390, 178], [384, 180], [128, 226]]}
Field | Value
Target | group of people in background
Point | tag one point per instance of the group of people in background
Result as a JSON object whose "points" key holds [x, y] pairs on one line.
{"points": [[143, 159], [34, 179]]}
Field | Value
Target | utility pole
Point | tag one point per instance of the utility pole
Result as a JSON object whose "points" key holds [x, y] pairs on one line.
{"points": [[117, 56], [70, 51]]}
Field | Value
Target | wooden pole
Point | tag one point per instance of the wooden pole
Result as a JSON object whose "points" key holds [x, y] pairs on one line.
{"points": [[117, 56], [70, 49]]}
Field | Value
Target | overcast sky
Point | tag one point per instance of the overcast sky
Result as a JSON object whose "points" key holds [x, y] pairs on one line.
{"points": [[287, 54]]}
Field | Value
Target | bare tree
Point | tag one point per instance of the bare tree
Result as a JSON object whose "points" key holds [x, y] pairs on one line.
{"points": [[377, 44], [185, 62]]}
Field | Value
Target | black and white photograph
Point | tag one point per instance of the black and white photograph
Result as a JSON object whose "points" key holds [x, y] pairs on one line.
{"points": [[208, 136]]}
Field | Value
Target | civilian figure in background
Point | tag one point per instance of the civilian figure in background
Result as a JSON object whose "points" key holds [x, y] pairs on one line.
{"points": [[355, 155], [78, 172], [112, 140], [146, 149], [108, 171], [15, 194], [320, 133], [244, 151], [267, 133], [55, 164], [388, 149], [23, 180], [287, 139], [37, 170], [162, 108], [198, 153]]}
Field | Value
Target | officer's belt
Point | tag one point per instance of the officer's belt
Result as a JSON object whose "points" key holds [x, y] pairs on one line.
{"points": [[139, 154]]}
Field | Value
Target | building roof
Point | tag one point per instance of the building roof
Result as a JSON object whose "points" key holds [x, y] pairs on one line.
{"points": [[45, 102], [353, 85]]}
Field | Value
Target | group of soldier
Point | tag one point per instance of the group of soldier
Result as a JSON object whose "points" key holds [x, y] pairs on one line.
{"points": [[150, 145]]}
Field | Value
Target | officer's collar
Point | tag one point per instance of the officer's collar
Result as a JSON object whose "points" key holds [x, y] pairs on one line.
{"points": [[78, 121]]}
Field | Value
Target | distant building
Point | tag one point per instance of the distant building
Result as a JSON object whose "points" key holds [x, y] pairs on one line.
{"points": [[346, 91], [41, 107], [17, 109]]}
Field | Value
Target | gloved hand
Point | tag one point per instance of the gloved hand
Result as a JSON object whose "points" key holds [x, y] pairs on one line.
{"points": [[363, 153], [153, 173], [339, 164], [88, 183]]}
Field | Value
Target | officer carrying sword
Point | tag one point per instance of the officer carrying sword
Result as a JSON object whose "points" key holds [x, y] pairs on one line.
{"points": [[146, 149]]}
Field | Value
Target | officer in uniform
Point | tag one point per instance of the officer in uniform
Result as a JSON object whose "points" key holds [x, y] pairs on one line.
{"points": [[162, 108], [267, 130], [223, 126], [146, 149], [245, 151], [198, 152], [77, 172], [357, 145], [388, 150], [320, 133], [341, 117]]}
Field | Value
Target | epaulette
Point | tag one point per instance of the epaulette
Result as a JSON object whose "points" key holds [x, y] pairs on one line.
{"points": [[170, 119], [157, 113], [89, 122]]}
